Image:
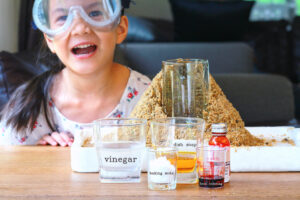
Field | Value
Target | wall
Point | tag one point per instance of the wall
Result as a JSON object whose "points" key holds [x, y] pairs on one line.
{"points": [[151, 8], [9, 17]]}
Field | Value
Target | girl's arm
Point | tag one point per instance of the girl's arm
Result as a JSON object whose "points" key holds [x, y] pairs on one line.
{"points": [[5, 136], [10, 136], [41, 135]]}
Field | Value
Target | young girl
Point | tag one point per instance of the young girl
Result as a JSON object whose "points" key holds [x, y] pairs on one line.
{"points": [[89, 86]]}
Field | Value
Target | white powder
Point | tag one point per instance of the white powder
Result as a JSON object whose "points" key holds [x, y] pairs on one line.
{"points": [[161, 171]]}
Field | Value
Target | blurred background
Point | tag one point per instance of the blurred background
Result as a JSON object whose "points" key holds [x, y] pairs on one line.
{"points": [[270, 27]]}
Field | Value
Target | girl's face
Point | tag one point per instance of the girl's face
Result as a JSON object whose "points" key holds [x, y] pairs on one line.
{"points": [[83, 49]]}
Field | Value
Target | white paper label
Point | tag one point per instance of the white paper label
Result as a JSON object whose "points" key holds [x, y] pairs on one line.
{"points": [[110, 159], [186, 145], [227, 165], [161, 171], [166, 177]]}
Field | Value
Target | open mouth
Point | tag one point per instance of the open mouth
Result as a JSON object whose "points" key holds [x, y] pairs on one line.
{"points": [[85, 49]]}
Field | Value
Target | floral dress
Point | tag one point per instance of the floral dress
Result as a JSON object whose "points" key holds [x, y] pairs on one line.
{"points": [[136, 86]]}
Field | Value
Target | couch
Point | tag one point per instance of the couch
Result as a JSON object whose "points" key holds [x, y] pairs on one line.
{"points": [[261, 99]]}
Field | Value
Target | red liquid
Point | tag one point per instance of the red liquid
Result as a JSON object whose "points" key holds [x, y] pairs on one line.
{"points": [[220, 139], [211, 182]]}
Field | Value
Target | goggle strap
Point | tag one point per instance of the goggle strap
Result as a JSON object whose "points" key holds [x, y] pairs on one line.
{"points": [[107, 7]]}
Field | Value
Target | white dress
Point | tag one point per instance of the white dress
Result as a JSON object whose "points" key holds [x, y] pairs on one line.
{"points": [[136, 86]]}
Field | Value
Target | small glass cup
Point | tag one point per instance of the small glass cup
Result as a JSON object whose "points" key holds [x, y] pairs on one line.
{"points": [[83, 150], [211, 166], [83, 136], [162, 168], [184, 134], [120, 145], [185, 90]]}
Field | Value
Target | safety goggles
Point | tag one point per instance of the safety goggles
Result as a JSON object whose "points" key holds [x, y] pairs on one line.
{"points": [[55, 17]]}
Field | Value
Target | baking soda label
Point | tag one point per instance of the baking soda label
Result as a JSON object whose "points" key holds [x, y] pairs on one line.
{"points": [[161, 171]]}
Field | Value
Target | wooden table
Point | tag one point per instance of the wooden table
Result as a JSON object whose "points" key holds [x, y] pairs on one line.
{"points": [[45, 173]]}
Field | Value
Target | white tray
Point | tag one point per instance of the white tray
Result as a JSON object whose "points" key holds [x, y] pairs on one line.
{"points": [[280, 157]]}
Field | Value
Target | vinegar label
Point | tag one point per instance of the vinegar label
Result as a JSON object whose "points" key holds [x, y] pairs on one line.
{"points": [[120, 155], [120, 159]]}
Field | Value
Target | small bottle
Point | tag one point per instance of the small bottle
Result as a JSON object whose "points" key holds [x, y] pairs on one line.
{"points": [[219, 138]]}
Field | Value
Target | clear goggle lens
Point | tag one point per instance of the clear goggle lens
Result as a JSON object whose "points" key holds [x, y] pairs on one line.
{"points": [[54, 17]]}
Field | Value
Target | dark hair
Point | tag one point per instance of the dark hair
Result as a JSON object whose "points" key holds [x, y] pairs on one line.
{"points": [[126, 3], [24, 106]]}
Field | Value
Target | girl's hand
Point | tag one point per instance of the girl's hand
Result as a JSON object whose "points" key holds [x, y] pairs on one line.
{"points": [[55, 138]]}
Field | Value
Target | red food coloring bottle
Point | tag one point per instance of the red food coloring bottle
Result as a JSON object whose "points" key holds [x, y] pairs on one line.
{"points": [[219, 139]]}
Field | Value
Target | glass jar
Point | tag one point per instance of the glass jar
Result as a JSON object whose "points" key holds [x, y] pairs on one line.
{"points": [[185, 90]]}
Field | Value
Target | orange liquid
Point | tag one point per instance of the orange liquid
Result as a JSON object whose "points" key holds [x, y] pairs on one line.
{"points": [[186, 162]]}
